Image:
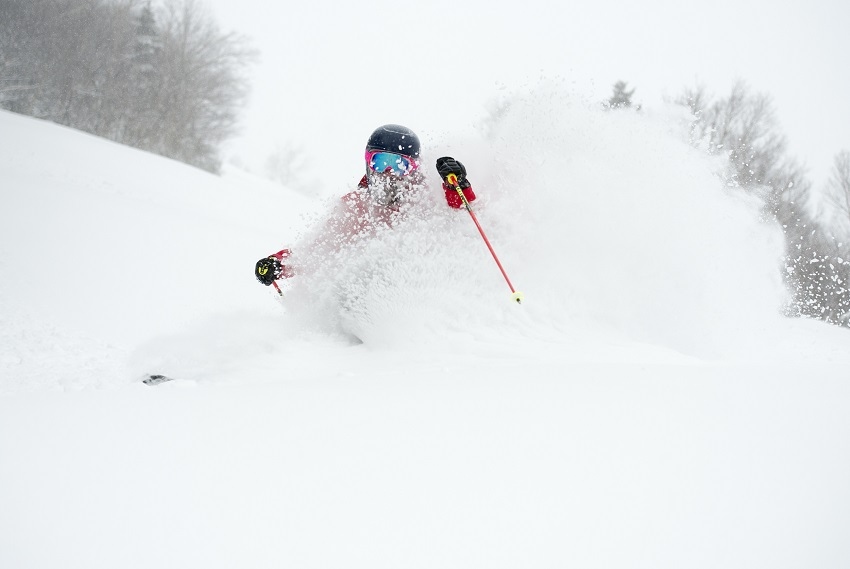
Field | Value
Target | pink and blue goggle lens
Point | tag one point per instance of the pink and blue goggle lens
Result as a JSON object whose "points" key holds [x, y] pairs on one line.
{"points": [[388, 162]]}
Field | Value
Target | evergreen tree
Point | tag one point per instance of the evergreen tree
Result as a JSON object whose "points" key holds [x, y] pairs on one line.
{"points": [[622, 97], [145, 61], [147, 46]]}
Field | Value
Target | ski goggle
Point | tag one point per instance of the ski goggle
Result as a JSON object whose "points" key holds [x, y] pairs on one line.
{"points": [[398, 164]]}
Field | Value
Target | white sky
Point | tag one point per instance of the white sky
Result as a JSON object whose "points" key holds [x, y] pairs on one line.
{"points": [[332, 71]]}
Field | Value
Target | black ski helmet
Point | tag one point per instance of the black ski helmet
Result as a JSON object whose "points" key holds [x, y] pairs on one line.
{"points": [[394, 138]]}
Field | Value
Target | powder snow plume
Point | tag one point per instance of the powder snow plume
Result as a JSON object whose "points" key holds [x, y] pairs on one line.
{"points": [[601, 218]]}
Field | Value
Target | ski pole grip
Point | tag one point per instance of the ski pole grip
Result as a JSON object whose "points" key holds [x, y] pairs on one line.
{"points": [[452, 182]]}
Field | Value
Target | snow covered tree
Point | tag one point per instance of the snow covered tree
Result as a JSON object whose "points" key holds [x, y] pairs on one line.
{"points": [[164, 80], [144, 62], [744, 127], [818, 273], [201, 85], [147, 46], [818, 250], [838, 190], [16, 78], [621, 98]]}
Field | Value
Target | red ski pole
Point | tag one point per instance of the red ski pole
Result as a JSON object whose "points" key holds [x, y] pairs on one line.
{"points": [[277, 288], [451, 180]]}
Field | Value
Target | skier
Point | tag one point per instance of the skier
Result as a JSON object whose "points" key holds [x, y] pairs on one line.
{"points": [[393, 178]]}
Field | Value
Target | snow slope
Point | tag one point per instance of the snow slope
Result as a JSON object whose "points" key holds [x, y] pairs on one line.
{"points": [[645, 407]]}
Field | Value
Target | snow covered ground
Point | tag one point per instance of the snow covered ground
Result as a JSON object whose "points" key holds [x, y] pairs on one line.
{"points": [[645, 407]]}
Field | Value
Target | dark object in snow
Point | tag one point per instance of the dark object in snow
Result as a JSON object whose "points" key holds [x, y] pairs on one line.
{"points": [[156, 379], [394, 138], [268, 269], [448, 165]]}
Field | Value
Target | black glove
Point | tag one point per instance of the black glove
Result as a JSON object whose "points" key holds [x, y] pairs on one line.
{"points": [[268, 269], [448, 165]]}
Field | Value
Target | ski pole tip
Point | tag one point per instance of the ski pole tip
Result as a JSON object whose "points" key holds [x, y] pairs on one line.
{"points": [[518, 297]]}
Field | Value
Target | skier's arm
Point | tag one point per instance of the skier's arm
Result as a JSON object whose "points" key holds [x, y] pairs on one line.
{"points": [[447, 166], [269, 269]]}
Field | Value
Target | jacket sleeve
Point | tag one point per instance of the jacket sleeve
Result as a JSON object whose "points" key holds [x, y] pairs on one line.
{"points": [[453, 199], [285, 270]]}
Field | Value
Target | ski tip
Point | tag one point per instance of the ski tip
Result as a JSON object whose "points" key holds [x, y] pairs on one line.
{"points": [[156, 379]]}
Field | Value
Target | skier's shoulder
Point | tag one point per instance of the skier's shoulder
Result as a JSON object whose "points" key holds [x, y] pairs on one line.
{"points": [[355, 197]]}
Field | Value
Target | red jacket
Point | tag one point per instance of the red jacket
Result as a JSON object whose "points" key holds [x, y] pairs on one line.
{"points": [[359, 214]]}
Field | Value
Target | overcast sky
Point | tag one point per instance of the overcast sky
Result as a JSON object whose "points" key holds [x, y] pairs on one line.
{"points": [[330, 72]]}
